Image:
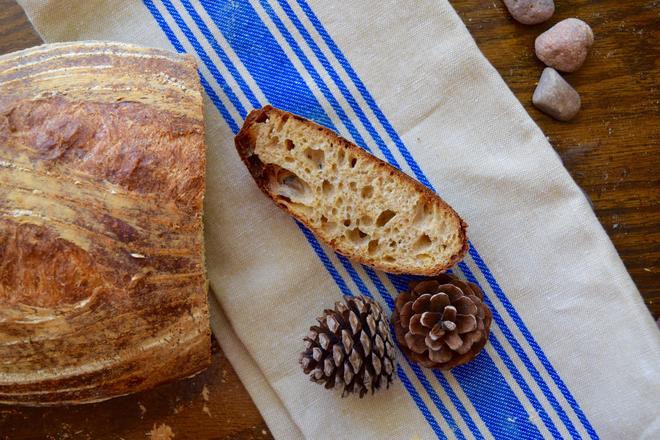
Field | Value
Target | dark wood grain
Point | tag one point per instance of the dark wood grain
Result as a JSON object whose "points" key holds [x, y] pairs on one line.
{"points": [[16, 33], [212, 405], [611, 149]]}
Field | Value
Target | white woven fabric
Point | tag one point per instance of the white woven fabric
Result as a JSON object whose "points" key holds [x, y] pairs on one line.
{"points": [[573, 351]]}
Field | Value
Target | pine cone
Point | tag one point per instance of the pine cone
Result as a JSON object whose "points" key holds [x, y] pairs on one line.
{"points": [[351, 348], [441, 322]]}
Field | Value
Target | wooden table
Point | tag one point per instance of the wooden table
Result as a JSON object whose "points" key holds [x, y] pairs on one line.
{"points": [[612, 150]]}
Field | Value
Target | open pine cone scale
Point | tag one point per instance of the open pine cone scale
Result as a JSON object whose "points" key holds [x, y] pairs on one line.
{"points": [[441, 322]]}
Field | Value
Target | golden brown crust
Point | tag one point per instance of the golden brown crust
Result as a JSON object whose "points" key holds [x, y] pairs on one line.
{"points": [[245, 141], [102, 278]]}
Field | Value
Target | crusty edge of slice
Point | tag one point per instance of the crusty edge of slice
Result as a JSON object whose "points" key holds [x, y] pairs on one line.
{"points": [[244, 143]]}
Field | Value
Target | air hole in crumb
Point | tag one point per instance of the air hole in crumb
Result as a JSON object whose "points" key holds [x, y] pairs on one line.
{"points": [[426, 258], [353, 186], [339, 201], [372, 247], [347, 222], [422, 213], [366, 220], [327, 188], [356, 235], [317, 157], [384, 217], [288, 159], [286, 184], [327, 226], [423, 242], [367, 192], [281, 122], [353, 162], [289, 144], [388, 258], [341, 156]]}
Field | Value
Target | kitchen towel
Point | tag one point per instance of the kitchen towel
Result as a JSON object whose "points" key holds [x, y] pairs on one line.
{"points": [[573, 351]]}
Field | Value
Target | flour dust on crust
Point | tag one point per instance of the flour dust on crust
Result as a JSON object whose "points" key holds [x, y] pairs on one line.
{"points": [[160, 432]]}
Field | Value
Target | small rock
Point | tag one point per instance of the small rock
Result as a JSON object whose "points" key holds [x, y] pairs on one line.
{"points": [[555, 97], [565, 45], [530, 11]]}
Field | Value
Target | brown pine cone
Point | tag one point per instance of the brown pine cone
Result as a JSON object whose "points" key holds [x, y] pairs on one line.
{"points": [[441, 322], [351, 349]]}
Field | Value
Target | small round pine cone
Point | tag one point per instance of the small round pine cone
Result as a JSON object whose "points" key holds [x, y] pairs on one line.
{"points": [[351, 349], [441, 322]]}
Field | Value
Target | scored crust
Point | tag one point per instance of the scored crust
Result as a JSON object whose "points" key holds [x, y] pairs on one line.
{"points": [[259, 144], [102, 279]]}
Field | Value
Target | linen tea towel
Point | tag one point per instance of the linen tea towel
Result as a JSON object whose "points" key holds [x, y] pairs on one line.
{"points": [[573, 351]]}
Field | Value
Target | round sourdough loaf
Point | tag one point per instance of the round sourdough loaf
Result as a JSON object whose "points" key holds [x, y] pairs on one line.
{"points": [[102, 279]]}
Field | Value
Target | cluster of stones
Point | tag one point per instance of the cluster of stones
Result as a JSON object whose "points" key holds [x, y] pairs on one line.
{"points": [[563, 47]]}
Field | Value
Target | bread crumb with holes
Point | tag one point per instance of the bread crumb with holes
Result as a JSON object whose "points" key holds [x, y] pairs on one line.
{"points": [[361, 206]]}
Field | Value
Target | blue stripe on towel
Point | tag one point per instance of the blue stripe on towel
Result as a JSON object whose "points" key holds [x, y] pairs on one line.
{"points": [[203, 28], [420, 403], [208, 63], [481, 380], [523, 356], [526, 361], [179, 48], [532, 342], [333, 74], [499, 407], [364, 92], [266, 61]]}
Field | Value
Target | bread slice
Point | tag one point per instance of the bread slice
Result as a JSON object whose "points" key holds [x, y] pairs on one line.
{"points": [[361, 206]]}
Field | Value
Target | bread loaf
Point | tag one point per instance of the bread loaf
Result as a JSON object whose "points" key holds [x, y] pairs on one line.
{"points": [[102, 279], [361, 206]]}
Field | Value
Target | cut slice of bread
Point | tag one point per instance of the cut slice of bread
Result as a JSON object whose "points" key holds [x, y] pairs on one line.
{"points": [[361, 206]]}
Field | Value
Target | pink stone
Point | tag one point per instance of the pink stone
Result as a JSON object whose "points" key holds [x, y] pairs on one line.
{"points": [[565, 45], [530, 11], [555, 97]]}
